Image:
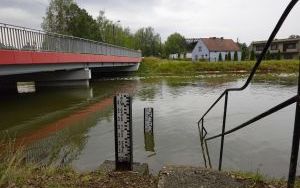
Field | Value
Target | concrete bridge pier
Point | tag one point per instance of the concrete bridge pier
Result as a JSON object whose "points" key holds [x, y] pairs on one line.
{"points": [[76, 77]]}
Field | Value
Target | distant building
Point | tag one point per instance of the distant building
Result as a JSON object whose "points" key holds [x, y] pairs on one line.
{"points": [[288, 48], [187, 55], [211, 48]]}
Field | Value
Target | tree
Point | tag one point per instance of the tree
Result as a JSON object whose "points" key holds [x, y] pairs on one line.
{"points": [[148, 41], [244, 51], [294, 36], [226, 57], [66, 17], [229, 56], [252, 55], [175, 44], [81, 24], [56, 19], [278, 57], [220, 57], [235, 56]]}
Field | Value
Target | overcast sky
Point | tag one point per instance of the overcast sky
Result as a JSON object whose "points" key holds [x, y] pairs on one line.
{"points": [[246, 20]]}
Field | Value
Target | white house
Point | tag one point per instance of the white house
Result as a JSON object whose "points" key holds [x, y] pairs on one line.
{"points": [[210, 48]]}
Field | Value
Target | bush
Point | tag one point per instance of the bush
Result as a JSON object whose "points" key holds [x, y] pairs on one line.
{"points": [[220, 57], [235, 56]]}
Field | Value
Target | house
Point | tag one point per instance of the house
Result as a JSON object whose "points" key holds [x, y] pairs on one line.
{"points": [[211, 48], [286, 48]]}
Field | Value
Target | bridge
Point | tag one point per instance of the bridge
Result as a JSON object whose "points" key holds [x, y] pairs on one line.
{"points": [[54, 59]]}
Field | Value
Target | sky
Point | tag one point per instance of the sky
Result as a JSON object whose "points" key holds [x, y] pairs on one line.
{"points": [[243, 20]]}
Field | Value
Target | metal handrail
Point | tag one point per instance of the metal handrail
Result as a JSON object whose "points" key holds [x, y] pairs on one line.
{"points": [[296, 136], [274, 109], [22, 38]]}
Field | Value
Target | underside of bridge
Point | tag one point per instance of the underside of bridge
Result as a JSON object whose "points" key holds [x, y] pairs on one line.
{"points": [[58, 69]]}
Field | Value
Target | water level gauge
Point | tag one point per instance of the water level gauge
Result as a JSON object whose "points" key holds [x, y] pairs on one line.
{"points": [[123, 131]]}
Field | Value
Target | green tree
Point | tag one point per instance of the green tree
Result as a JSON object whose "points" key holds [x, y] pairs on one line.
{"points": [[235, 56], [66, 17], [252, 55], [278, 57], [148, 41], [220, 57], [226, 57], [229, 56], [57, 16], [244, 51], [113, 33], [175, 44], [81, 24]]}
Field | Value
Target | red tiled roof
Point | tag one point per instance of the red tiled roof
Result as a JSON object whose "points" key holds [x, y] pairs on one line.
{"points": [[219, 44]]}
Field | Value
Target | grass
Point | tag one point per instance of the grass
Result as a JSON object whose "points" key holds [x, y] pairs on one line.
{"points": [[156, 66], [15, 171], [259, 180]]}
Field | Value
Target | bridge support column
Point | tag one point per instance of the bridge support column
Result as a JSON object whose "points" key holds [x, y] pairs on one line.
{"points": [[78, 77]]}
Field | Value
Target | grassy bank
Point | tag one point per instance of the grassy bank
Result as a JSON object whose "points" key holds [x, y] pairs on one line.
{"points": [[156, 66], [15, 172]]}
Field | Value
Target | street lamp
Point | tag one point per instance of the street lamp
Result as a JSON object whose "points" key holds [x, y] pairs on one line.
{"points": [[114, 35]]}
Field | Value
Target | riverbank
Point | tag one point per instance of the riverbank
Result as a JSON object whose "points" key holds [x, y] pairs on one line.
{"points": [[156, 66], [31, 175], [16, 172]]}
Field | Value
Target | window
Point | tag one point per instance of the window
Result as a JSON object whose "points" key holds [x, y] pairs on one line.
{"points": [[274, 47], [259, 48], [200, 48], [290, 46]]}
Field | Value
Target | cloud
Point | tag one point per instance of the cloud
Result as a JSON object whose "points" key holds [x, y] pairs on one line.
{"points": [[246, 20], [27, 13]]}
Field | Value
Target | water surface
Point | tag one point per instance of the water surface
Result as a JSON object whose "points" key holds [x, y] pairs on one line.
{"points": [[75, 125]]}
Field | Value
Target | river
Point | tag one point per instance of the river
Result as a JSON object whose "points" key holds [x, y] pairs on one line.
{"points": [[75, 125]]}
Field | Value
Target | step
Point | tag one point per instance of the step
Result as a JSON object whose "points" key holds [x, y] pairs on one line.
{"points": [[172, 176]]}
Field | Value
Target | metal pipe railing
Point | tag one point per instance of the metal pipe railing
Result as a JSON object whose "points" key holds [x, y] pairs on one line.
{"points": [[296, 136], [22, 38]]}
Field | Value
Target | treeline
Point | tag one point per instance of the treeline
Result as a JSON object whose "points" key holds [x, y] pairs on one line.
{"points": [[66, 17]]}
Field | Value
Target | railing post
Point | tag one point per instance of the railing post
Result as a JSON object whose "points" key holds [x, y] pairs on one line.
{"points": [[295, 144], [223, 130]]}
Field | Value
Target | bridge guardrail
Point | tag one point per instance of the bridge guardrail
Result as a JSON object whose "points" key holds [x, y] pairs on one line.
{"points": [[22, 38]]}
